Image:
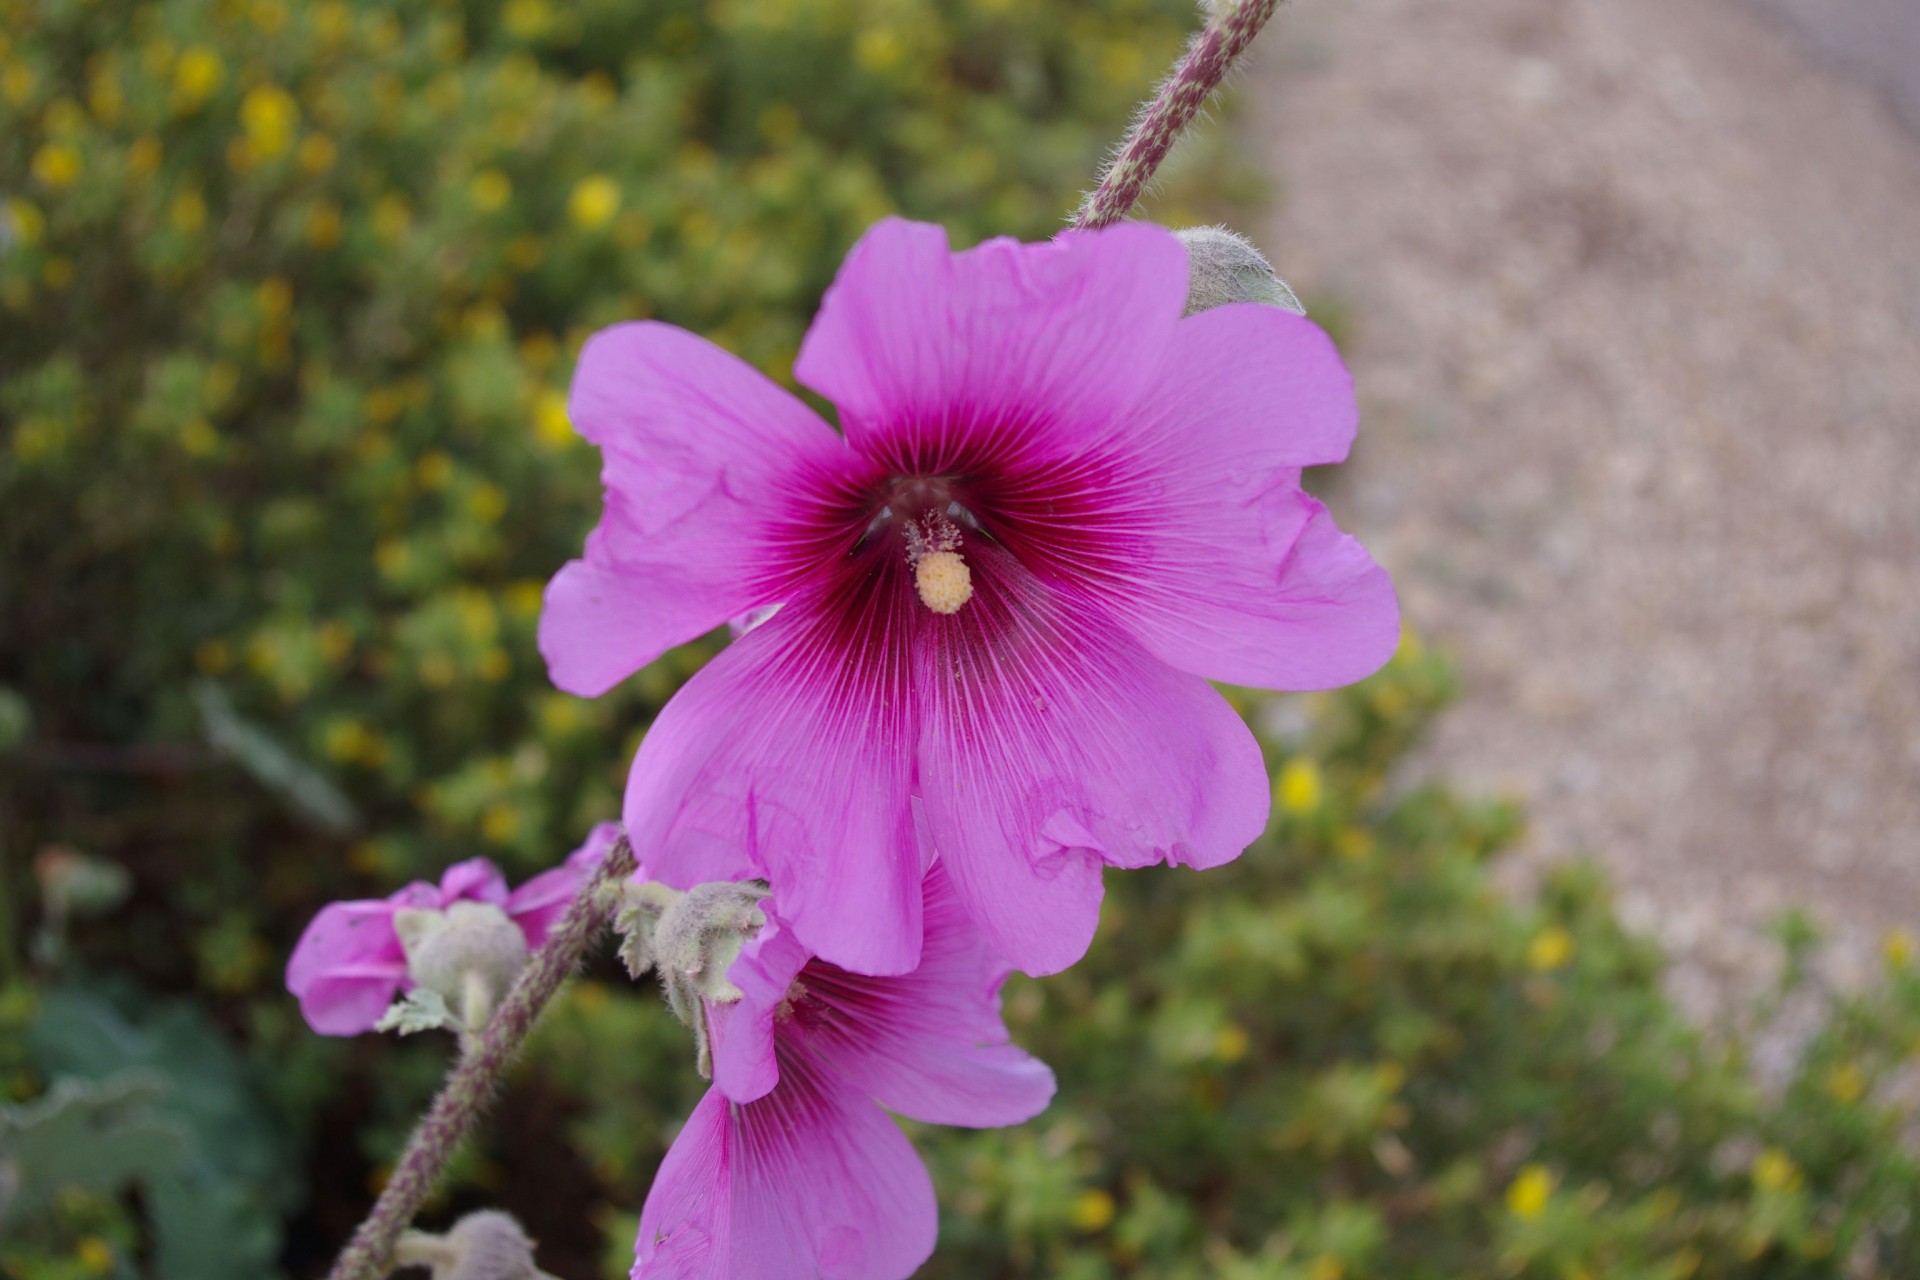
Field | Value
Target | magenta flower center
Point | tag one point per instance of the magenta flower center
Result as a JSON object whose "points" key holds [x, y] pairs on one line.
{"points": [[923, 518]]}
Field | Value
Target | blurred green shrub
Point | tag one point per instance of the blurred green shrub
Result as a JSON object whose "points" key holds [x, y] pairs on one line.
{"points": [[289, 296]]}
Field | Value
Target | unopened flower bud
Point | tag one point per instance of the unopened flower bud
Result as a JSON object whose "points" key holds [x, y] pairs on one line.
{"points": [[700, 936], [488, 1245], [468, 955], [692, 939], [1223, 267]]}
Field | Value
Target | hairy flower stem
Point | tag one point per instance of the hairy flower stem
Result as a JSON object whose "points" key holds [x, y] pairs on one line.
{"points": [[475, 1078], [1229, 30]]}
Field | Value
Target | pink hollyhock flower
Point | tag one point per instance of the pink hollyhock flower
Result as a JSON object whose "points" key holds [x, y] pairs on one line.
{"points": [[789, 1169], [349, 964], [1055, 510]]}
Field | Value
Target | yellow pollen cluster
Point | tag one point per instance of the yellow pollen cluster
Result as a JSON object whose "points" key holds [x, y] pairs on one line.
{"points": [[943, 581]]}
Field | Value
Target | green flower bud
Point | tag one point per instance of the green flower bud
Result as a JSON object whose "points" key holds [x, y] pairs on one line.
{"points": [[468, 955], [692, 939], [487, 1245], [1223, 266]]}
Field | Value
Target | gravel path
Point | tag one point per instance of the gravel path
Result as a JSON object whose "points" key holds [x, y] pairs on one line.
{"points": [[1635, 300]]}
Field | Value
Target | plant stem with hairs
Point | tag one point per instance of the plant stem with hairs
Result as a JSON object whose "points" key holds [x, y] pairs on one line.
{"points": [[1230, 29], [482, 1067]]}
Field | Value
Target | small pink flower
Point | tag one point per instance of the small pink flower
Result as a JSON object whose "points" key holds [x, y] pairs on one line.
{"points": [[1054, 511], [349, 965], [789, 1169]]}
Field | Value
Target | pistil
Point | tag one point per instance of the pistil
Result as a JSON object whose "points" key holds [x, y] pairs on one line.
{"points": [[939, 574]]}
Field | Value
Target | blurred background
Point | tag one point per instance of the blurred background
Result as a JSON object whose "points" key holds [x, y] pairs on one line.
{"points": [[289, 297]]}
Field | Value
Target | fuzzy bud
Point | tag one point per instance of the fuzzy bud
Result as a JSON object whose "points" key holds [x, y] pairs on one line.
{"points": [[692, 939], [700, 936], [488, 1245], [1223, 266], [468, 955]]}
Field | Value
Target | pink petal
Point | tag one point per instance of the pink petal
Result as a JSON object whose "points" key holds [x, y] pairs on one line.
{"points": [[929, 1044], [789, 757], [1219, 562], [741, 1033], [812, 1182], [475, 880], [537, 905], [703, 454], [928, 353], [347, 967], [1052, 743]]}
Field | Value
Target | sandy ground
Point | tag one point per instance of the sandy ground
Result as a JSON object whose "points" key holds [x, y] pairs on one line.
{"points": [[1635, 300]]}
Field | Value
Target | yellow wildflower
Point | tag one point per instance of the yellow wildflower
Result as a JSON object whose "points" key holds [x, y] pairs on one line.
{"points": [[17, 83], [63, 115], [36, 436], [1093, 1210], [391, 216], [58, 165], [550, 421], [384, 34], [1353, 842], [324, 227], [598, 92], [526, 19], [269, 115], [391, 558], [489, 190], [187, 212], [1300, 788], [382, 405], [104, 96], [94, 1255], [1231, 1042], [317, 153], [878, 49], [332, 21], [1527, 1196], [275, 297], [1898, 947], [199, 439], [195, 76], [594, 201], [434, 470], [29, 224], [499, 822], [525, 252], [1774, 1170], [143, 156], [1846, 1083], [336, 642], [1550, 949], [487, 503], [223, 378]]}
